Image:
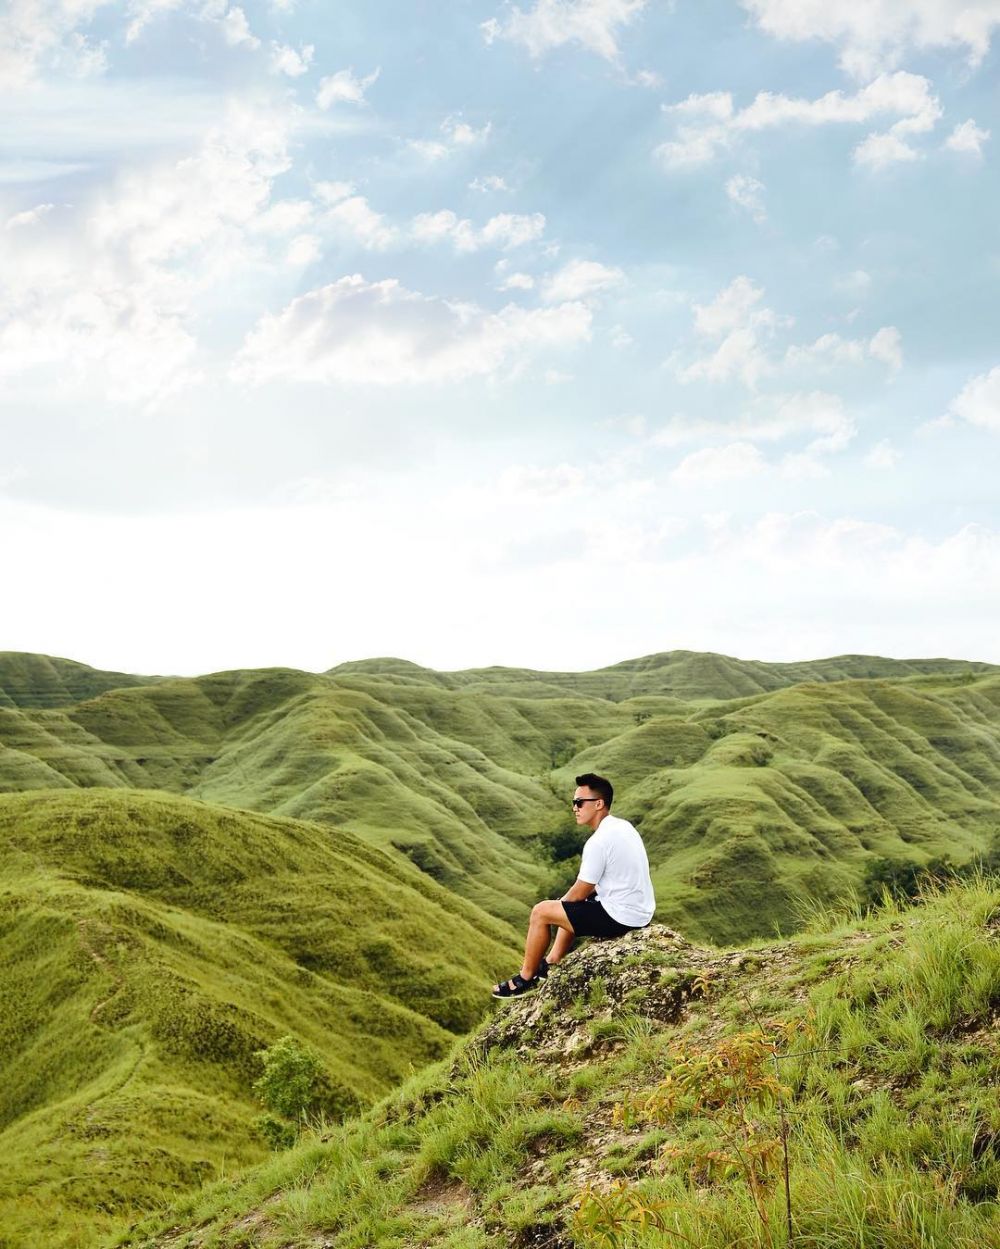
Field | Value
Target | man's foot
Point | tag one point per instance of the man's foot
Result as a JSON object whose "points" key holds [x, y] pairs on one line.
{"points": [[516, 986]]}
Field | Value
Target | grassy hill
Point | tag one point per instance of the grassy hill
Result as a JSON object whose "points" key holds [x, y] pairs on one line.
{"points": [[633, 1102], [193, 868], [753, 808], [150, 945], [40, 681]]}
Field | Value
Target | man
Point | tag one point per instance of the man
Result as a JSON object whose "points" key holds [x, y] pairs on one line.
{"points": [[613, 894]]}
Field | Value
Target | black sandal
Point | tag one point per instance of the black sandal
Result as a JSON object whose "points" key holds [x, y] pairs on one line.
{"points": [[520, 986]]}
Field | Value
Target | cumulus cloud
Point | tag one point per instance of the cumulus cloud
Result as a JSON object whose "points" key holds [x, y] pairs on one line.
{"points": [[455, 135], [747, 193], [715, 464], [286, 60], [581, 279], [505, 230], [379, 333], [345, 87], [831, 350], [236, 29], [745, 330], [30, 216], [112, 293], [593, 24], [979, 401], [517, 282], [710, 124], [967, 138], [817, 417], [37, 34], [883, 456], [531, 480], [743, 325], [491, 182], [874, 34], [350, 216]]}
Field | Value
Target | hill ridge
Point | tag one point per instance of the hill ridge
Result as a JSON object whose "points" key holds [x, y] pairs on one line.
{"points": [[544, 1124]]}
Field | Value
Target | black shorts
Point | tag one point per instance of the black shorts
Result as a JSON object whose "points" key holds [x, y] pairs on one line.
{"points": [[590, 919]]}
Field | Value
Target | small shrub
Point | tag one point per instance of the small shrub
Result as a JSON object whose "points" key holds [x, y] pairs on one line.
{"points": [[290, 1075]]}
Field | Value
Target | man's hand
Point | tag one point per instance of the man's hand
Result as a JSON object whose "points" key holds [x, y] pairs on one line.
{"points": [[580, 891]]}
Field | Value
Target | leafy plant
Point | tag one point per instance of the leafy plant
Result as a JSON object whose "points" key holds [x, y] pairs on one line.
{"points": [[287, 1088]]}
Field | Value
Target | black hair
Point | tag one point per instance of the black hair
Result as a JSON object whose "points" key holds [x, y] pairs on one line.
{"points": [[603, 788]]}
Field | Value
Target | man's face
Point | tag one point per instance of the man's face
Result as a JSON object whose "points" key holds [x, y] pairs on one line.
{"points": [[587, 806]]}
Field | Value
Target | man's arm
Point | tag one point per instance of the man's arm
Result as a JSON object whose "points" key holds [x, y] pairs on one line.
{"points": [[580, 891]]}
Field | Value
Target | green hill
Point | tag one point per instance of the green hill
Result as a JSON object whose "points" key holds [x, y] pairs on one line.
{"points": [[752, 808], [40, 681], [193, 868], [637, 1100], [150, 945]]}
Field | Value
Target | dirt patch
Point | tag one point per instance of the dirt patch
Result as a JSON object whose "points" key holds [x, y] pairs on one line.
{"points": [[439, 1194]]}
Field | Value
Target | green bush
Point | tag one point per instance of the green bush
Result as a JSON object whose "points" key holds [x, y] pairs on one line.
{"points": [[289, 1080]]}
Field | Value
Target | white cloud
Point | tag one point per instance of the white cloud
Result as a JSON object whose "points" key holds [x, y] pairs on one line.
{"points": [[979, 401], [746, 330], [491, 182], [743, 326], [732, 306], [353, 218], [854, 284], [236, 29], [529, 480], [620, 337], [517, 282], [887, 345], [594, 24], [967, 138], [378, 333], [580, 279], [30, 217], [456, 136], [814, 419], [303, 250], [111, 291], [285, 60], [873, 34], [879, 151], [715, 464], [345, 87], [505, 230], [883, 456], [710, 124], [460, 134], [748, 193], [36, 35], [283, 217], [831, 350]]}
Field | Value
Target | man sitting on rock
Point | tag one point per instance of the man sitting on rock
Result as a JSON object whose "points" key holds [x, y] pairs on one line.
{"points": [[613, 894]]}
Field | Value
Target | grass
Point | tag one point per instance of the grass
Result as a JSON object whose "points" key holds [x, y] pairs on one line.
{"points": [[761, 790], [150, 945], [193, 868], [895, 1136]]}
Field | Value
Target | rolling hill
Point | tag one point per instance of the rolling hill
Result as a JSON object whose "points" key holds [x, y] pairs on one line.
{"points": [[193, 868], [152, 944], [637, 1099], [753, 807]]}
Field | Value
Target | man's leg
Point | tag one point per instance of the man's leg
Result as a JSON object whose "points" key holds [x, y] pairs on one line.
{"points": [[561, 946], [543, 915]]}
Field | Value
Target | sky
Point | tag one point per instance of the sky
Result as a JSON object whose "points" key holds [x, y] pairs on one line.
{"points": [[546, 334]]}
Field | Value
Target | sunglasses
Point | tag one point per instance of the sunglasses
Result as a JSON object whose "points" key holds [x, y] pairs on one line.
{"points": [[578, 802]]}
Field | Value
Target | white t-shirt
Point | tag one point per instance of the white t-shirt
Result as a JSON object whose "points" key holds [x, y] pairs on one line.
{"points": [[614, 860]]}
